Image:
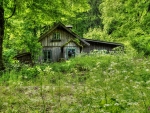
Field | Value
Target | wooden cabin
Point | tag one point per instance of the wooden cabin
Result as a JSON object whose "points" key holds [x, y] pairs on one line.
{"points": [[60, 42]]}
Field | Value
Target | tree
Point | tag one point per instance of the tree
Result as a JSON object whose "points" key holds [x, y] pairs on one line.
{"points": [[29, 16], [2, 25], [87, 18], [129, 19], [121, 18], [1, 34]]}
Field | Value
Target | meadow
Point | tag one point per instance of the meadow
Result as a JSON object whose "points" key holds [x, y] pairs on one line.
{"points": [[95, 83]]}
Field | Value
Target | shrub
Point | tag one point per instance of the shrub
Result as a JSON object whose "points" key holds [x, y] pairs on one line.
{"points": [[142, 44]]}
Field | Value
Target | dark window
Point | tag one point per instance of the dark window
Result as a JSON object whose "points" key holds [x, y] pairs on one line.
{"points": [[71, 53], [47, 55], [56, 36]]}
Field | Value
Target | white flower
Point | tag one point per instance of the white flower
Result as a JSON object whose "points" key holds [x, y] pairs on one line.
{"points": [[107, 105], [124, 71], [148, 82], [136, 86], [116, 104], [148, 87], [25, 77], [147, 69], [5, 104]]}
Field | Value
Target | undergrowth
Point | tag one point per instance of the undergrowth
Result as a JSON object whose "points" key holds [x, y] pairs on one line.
{"points": [[85, 84]]}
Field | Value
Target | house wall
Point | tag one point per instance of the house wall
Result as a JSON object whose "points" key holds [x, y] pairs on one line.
{"points": [[56, 52], [71, 45], [64, 37], [56, 46], [98, 46]]}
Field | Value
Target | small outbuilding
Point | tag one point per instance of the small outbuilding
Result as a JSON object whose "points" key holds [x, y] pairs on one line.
{"points": [[24, 58]]}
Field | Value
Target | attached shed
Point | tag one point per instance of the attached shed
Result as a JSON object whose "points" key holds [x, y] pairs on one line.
{"points": [[100, 45]]}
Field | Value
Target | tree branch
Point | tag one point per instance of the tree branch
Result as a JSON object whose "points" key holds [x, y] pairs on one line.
{"points": [[14, 10]]}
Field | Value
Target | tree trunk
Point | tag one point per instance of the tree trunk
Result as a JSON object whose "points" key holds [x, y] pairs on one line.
{"points": [[1, 36]]}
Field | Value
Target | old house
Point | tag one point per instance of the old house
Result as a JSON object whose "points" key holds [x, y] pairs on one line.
{"points": [[60, 42]]}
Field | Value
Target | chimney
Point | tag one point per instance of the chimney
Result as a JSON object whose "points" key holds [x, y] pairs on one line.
{"points": [[69, 26]]}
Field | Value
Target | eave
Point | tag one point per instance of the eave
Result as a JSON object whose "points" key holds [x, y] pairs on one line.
{"points": [[65, 28]]}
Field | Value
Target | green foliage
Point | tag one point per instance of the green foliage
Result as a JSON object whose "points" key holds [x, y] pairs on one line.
{"points": [[121, 17], [97, 34], [142, 45], [28, 73], [129, 19], [89, 83], [87, 18], [23, 29]]}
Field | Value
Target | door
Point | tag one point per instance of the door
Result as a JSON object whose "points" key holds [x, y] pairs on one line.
{"points": [[71, 52]]}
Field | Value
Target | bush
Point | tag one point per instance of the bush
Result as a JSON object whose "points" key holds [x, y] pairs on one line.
{"points": [[142, 44]]}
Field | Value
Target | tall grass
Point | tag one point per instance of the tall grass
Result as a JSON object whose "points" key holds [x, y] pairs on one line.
{"points": [[91, 83]]}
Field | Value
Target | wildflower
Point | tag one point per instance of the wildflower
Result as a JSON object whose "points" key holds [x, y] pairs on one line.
{"points": [[38, 68], [132, 103], [116, 104], [131, 80], [5, 104], [147, 70], [148, 82], [124, 71], [25, 77], [136, 86], [148, 87], [106, 105], [126, 77]]}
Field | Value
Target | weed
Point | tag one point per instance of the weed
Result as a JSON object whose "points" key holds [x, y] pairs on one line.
{"points": [[89, 83]]}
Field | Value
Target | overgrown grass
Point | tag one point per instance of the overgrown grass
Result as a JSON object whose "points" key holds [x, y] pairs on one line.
{"points": [[86, 84]]}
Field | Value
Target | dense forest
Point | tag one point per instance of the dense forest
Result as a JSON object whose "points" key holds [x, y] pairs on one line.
{"points": [[98, 82]]}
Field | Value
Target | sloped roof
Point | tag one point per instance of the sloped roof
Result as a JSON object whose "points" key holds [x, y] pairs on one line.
{"points": [[102, 42], [71, 41], [67, 29], [23, 54]]}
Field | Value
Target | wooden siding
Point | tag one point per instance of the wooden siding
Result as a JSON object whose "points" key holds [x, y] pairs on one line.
{"points": [[56, 52], [64, 37], [70, 45], [98, 46], [56, 48]]}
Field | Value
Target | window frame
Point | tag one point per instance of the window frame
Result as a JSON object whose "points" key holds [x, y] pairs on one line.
{"points": [[56, 36], [48, 56]]}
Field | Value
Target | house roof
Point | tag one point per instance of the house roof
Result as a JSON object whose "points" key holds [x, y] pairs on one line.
{"points": [[71, 41], [102, 42], [83, 40], [23, 54], [60, 25]]}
